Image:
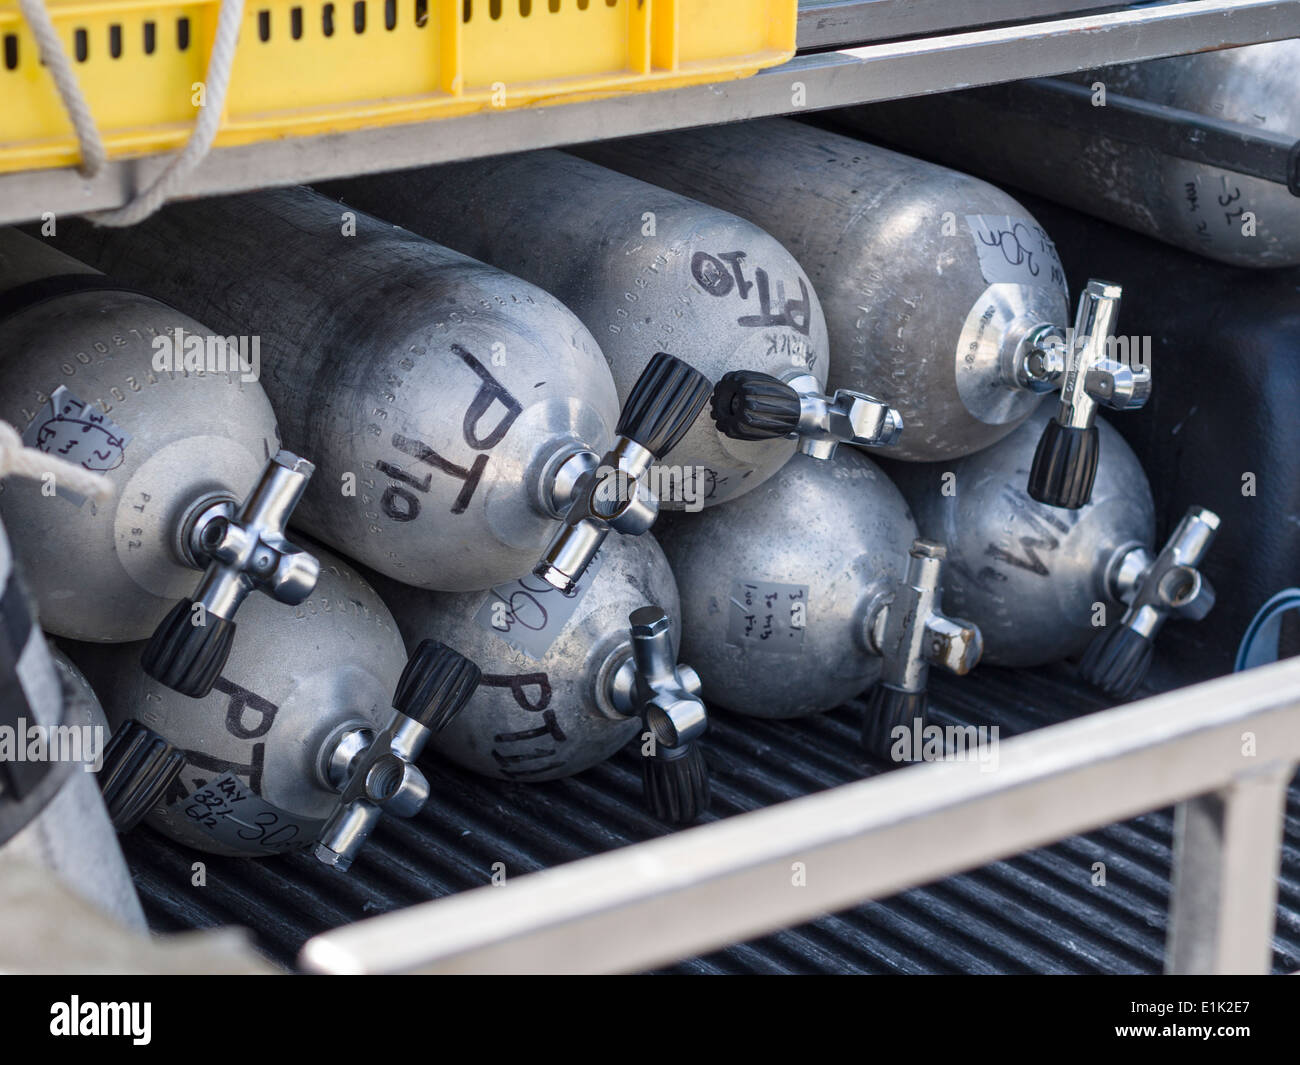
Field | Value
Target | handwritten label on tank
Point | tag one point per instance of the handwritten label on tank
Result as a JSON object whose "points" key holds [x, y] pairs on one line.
{"points": [[723, 274], [410, 483], [231, 814], [529, 614], [768, 616], [1233, 212], [1015, 251], [1033, 536], [78, 433], [528, 752], [692, 486]]}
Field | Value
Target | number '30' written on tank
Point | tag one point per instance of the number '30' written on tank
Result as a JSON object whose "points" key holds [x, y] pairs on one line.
{"points": [[400, 501], [720, 275], [1015, 251]]}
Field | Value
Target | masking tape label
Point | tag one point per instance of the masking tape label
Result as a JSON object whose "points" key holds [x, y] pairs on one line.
{"points": [[231, 814], [529, 614], [767, 616], [1015, 251]]}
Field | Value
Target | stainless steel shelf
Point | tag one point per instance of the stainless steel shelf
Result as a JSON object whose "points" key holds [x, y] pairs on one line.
{"points": [[839, 23], [937, 62]]}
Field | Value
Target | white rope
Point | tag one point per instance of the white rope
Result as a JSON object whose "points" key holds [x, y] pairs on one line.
{"points": [[216, 86], [34, 464], [57, 63]]}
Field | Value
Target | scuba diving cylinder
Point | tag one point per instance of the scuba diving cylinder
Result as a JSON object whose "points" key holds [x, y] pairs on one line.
{"points": [[812, 588], [302, 742], [646, 270], [456, 412], [1196, 150], [1044, 584], [942, 295], [1221, 325], [52, 732], [564, 684], [117, 383]]}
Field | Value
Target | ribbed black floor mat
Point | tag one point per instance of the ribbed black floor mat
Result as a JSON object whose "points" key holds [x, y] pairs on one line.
{"points": [[1036, 913]]}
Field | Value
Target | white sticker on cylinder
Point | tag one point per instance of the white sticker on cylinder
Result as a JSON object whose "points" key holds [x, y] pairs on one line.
{"points": [[1015, 251], [232, 814], [768, 616], [530, 614]]}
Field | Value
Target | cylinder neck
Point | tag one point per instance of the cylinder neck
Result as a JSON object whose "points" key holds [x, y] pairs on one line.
{"points": [[1034, 356], [872, 615], [1124, 570], [614, 684], [560, 469], [340, 751], [196, 517]]}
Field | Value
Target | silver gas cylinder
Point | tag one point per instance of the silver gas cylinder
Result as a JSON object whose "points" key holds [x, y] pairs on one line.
{"points": [[935, 285], [453, 408], [52, 735], [1044, 583], [646, 270], [1076, 141], [118, 383], [257, 766], [811, 589], [558, 693]]}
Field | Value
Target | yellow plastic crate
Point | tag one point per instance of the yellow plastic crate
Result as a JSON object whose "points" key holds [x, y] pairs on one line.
{"points": [[316, 66]]}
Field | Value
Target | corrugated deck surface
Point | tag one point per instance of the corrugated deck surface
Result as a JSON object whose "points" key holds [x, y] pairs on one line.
{"points": [[1036, 913]]}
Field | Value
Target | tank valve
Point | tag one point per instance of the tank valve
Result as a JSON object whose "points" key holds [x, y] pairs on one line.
{"points": [[663, 405], [1065, 463], [243, 552], [434, 687], [666, 696], [748, 405], [1039, 361], [910, 633], [1118, 658], [139, 766]]}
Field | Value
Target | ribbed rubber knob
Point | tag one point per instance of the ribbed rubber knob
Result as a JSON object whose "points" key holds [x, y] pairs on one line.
{"points": [[889, 708], [1065, 465], [139, 766], [186, 657], [676, 789], [435, 685], [1117, 661], [748, 405], [664, 403]]}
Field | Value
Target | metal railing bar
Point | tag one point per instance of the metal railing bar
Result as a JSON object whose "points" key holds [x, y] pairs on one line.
{"points": [[1227, 852], [657, 902]]}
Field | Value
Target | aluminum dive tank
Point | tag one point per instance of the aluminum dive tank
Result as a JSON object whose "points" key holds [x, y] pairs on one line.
{"points": [[644, 268], [51, 813], [556, 696], [95, 373], [796, 597], [933, 283], [1025, 137], [443, 400], [261, 756], [1043, 583]]}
